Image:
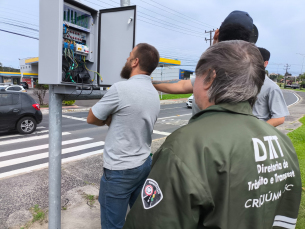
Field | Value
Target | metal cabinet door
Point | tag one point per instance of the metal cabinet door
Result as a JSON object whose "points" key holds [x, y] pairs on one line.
{"points": [[116, 39]]}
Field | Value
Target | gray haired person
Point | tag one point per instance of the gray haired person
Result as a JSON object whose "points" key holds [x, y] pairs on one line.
{"points": [[212, 172]]}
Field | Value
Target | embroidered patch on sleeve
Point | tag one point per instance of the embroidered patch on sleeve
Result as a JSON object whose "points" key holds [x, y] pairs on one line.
{"points": [[151, 194]]}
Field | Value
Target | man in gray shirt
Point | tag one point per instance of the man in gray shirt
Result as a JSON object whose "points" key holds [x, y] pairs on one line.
{"points": [[130, 108], [270, 105], [238, 25]]}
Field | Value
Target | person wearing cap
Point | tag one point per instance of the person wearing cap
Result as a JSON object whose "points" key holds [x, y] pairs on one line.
{"points": [[270, 105], [242, 173], [238, 25]]}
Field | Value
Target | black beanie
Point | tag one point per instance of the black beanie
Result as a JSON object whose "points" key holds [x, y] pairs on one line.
{"points": [[265, 54]]}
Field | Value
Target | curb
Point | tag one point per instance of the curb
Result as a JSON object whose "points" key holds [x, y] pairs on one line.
{"points": [[80, 109], [296, 95], [46, 111]]}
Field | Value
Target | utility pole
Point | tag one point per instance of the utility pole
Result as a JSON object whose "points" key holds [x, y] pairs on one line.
{"points": [[211, 31], [303, 55], [286, 74], [277, 72]]}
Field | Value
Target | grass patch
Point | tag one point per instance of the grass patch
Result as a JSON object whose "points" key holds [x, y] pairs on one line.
{"points": [[288, 88], [44, 105], [174, 96], [294, 89], [301, 216], [38, 214], [90, 198], [298, 140]]}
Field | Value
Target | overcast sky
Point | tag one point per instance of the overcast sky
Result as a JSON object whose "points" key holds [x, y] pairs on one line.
{"points": [[175, 27]]}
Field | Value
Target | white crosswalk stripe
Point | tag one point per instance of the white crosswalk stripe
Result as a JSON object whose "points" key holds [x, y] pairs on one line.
{"points": [[46, 154], [26, 153], [26, 139], [16, 159], [24, 135], [161, 132], [75, 118], [34, 148], [45, 165]]}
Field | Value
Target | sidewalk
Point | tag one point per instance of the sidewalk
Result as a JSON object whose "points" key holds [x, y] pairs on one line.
{"points": [[296, 111], [80, 179]]}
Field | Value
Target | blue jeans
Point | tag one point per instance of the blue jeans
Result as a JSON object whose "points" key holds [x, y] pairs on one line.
{"points": [[119, 188]]}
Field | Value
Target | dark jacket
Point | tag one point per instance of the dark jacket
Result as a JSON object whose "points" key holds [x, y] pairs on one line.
{"points": [[225, 169]]}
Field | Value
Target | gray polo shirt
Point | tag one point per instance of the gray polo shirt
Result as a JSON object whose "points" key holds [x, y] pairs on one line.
{"points": [[270, 102], [134, 105], [195, 108]]}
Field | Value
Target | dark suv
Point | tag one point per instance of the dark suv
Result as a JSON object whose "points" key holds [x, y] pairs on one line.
{"points": [[18, 111], [24, 85]]}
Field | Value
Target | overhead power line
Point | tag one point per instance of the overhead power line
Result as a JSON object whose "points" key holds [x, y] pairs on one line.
{"points": [[171, 25], [24, 27], [17, 30], [171, 29], [184, 32], [30, 16], [19, 34], [183, 22], [176, 12], [20, 21]]}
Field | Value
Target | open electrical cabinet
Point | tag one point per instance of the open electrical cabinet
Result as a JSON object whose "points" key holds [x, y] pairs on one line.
{"points": [[80, 46]]}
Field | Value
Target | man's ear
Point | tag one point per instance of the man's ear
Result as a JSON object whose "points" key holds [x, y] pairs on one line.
{"points": [[208, 84], [216, 35], [266, 63], [135, 62]]}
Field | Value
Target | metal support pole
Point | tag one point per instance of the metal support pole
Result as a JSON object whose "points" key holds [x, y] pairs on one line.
{"points": [[302, 65], [125, 3], [55, 138]]}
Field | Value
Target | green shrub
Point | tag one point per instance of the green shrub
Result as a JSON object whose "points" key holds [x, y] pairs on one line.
{"points": [[280, 85], [68, 102]]}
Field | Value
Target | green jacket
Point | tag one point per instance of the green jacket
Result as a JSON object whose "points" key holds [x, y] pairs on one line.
{"points": [[224, 170]]}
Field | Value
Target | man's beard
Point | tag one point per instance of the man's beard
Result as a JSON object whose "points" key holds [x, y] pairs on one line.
{"points": [[126, 71]]}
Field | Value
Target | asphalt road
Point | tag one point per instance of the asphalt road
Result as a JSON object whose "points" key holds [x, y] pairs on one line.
{"points": [[24, 153]]}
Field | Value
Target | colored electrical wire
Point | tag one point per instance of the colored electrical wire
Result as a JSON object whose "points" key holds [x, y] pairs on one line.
{"points": [[84, 59]]}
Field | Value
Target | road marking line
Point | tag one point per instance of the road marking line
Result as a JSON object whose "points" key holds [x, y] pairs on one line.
{"points": [[24, 135], [296, 101], [46, 165], [40, 127], [171, 108], [46, 154], [28, 139], [75, 118], [175, 116], [40, 132], [45, 146], [161, 132]]}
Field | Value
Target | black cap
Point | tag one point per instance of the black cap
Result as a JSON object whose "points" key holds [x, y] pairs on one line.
{"points": [[242, 18], [265, 54]]}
